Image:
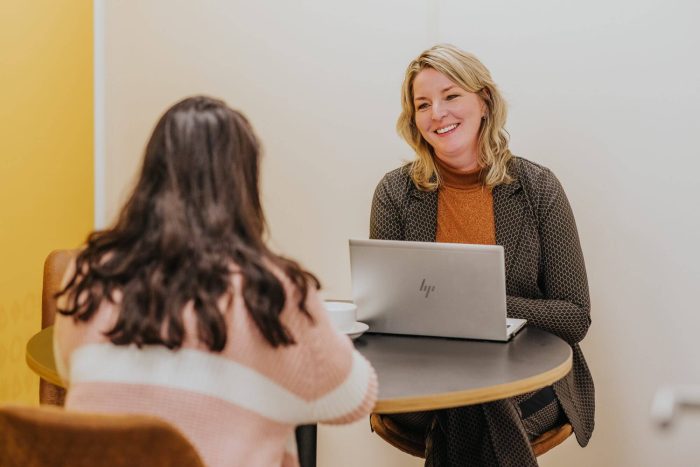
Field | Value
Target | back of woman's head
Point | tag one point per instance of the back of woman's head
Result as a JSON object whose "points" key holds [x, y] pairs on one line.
{"points": [[199, 181], [193, 215]]}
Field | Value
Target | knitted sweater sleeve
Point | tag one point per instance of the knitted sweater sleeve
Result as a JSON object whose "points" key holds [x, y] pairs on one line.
{"points": [[336, 365]]}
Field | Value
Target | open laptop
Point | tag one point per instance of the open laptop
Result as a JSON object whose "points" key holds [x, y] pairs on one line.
{"points": [[431, 289]]}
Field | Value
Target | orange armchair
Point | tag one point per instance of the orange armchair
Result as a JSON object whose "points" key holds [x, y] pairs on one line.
{"points": [[52, 437]]}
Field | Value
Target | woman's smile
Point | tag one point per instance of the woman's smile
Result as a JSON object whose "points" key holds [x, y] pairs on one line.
{"points": [[446, 130]]}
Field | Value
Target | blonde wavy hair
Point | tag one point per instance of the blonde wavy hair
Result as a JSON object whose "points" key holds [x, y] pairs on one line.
{"points": [[465, 70]]}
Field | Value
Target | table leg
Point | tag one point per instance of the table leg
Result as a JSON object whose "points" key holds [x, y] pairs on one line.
{"points": [[306, 445]]}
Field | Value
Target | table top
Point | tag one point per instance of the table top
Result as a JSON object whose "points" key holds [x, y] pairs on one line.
{"points": [[40, 356], [427, 373], [423, 373]]}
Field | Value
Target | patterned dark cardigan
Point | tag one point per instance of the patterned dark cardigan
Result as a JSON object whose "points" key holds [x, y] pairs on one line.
{"points": [[545, 283]]}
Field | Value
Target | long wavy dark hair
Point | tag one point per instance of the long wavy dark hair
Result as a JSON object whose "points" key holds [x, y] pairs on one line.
{"points": [[194, 214]]}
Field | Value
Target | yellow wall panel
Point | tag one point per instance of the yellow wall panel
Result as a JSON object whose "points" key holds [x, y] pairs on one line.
{"points": [[46, 162]]}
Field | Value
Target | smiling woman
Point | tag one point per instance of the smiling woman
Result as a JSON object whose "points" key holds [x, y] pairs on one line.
{"points": [[444, 87], [448, 118], [465, 186]]}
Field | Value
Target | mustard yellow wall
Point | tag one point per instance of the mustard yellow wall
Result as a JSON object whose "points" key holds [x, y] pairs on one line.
{"points": [[46, 163]]}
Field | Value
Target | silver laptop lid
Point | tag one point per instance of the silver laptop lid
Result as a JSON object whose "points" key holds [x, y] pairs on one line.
{"points": [[430, 289]]}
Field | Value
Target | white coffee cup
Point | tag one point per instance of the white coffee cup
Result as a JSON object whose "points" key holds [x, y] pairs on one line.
{"points": [[342, 314]]}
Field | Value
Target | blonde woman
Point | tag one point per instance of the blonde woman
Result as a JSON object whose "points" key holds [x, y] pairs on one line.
{"points": [[465, 186]]}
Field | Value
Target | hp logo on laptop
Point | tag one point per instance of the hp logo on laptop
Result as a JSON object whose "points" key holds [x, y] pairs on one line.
{"points": [[426, 288]]}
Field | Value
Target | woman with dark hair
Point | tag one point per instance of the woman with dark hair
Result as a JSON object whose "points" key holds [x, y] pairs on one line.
{"points": [[465, 186], [180, 310]]}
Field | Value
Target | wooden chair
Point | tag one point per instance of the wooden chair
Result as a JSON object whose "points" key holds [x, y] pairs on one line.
{"points": [[54, 267], [414, 443], [52, 437]]}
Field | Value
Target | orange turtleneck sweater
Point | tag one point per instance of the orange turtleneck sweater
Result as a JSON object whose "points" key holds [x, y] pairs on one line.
{"points": [[465, 207]]}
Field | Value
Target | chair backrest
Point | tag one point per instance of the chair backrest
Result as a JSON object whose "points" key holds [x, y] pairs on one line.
{"points": [[51, 437], [54, 267]]}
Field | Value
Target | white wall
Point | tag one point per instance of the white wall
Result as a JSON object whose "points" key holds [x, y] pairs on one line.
{"points": [[604, 93]]}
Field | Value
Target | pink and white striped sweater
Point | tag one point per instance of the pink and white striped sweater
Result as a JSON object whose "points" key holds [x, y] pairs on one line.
{"points": [[238, 407]]}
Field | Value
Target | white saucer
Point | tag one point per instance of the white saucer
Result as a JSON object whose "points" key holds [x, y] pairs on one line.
{"points": [[357, 330]]}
